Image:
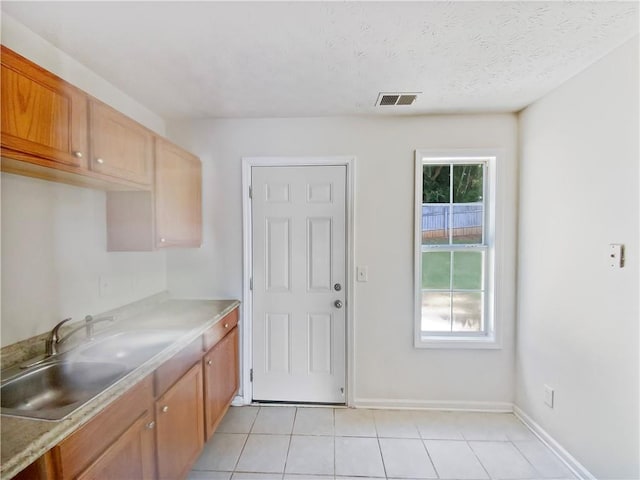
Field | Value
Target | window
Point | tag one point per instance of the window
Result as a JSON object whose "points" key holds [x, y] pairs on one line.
{"points": [[454, 251]]}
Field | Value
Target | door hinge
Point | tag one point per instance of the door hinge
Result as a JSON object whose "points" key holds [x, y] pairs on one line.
{"points": [[250, 192], [251, 283], [251, 375]]}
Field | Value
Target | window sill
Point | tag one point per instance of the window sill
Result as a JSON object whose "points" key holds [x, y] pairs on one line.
{"points": [[461, 343]]}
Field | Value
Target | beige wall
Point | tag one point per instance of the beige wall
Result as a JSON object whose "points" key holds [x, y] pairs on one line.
{"points": [[54, 235], [389, 370], [577, 316]]}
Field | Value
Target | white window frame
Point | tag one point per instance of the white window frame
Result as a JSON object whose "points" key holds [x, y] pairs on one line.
{"points": [[489, 338]]}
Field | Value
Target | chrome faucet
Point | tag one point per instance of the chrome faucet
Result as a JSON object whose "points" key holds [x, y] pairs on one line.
{"points": [[51, 345], [90, 321]]}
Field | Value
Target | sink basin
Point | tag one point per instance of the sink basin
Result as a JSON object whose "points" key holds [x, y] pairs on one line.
{"points": [[130, 348], [54, 390]]}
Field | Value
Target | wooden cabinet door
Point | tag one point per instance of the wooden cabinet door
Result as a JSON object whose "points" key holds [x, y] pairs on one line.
{"points": [[120, 147], [220, 379], [43, 117], [180, 425], [117, 424], [178, 196], [132, 455]]}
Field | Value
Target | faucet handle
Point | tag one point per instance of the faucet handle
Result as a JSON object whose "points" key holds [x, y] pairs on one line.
{"points": [[54, 338], [56, 329]]}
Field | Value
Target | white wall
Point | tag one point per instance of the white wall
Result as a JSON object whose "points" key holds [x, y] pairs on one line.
{"points": [[577, 317], [53, 254], [30, 45], [54, 235], [388, 368]]}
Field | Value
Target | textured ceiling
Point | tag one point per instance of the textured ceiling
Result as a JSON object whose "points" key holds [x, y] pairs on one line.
{"points": [[270, 59]]}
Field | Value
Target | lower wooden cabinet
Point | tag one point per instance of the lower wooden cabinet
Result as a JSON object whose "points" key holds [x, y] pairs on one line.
{"points": [[180, 425], [89, 444], [132, 455], [220, 379], [157, 428]]}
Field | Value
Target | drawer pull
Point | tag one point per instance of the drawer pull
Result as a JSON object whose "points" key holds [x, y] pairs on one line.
{"points": [[150, 425], [100, 161], [226, 325], [165, 409], [77, 154], [209, 362]]}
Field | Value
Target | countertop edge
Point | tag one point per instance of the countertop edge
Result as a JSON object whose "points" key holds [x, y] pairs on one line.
{"points": [[61, 429]]}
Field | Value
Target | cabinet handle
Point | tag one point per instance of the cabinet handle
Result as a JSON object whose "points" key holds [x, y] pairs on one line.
{"points": [[100, 161], [150, 425], [77, 154], [226, 325], [163, 240], [165, 409], [209, 362]]}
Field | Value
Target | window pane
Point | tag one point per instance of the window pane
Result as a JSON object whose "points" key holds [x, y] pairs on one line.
{"points": [[467, 223], [436, 270], [435, 224], [467, 312], [467, 270], [436, 312], [435, 184], [467, 183]]}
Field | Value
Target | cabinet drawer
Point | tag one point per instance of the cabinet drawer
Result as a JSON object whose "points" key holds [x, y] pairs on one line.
{"points": [[174, 368], [220, 329], [79, 450]]}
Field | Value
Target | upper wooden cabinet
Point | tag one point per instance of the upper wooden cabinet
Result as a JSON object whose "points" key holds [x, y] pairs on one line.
{"points": [[44, 119], [178, 196], [119, 146], [55, 131], [170, 217]]}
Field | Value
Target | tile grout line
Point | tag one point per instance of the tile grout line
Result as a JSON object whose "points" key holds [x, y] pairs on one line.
{"points": [[286, 458], [478, 458], [525, 458], [235, 467]]}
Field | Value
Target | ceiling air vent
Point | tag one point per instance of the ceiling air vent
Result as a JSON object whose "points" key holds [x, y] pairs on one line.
{"points": [[393, 99]]}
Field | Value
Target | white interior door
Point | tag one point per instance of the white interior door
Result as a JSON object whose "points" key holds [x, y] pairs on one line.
{"points": [[299, 275]]}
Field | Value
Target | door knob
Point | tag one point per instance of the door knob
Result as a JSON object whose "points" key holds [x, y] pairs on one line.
{"points": [[338, 304]]}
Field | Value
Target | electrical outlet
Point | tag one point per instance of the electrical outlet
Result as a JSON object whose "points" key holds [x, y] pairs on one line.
{"points": [[105, 286], [362, 273], [548, 396]]}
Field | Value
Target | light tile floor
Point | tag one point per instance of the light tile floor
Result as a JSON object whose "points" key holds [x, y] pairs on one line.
{"points": [[309, 443]]}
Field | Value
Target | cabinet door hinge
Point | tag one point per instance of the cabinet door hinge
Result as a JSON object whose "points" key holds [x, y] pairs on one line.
{"points": [[251, 283], [250, 192], [251, 375]]}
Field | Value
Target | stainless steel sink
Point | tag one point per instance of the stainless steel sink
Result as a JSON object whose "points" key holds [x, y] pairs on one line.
{"points": [[66, 381], [53, 390]]}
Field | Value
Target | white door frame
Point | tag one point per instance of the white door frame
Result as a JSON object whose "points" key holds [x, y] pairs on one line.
{"points": [[246, 395]]}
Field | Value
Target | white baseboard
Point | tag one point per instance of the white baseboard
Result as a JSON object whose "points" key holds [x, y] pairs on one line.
{"points": [[468, 406], [576, 467]]}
